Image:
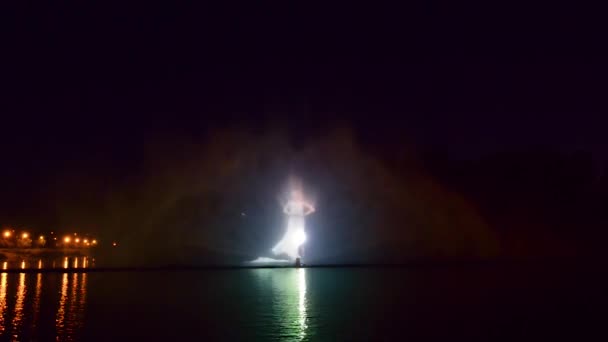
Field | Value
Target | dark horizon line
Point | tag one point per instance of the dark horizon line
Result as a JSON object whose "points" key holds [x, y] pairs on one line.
{"points": [[573, 261]]}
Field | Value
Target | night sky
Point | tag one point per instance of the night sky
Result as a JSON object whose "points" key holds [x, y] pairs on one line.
{"points": [[426, 131]]}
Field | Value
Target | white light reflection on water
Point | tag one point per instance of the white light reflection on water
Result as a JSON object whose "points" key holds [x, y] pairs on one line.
{"points": [[302, 302], [284, 303]]}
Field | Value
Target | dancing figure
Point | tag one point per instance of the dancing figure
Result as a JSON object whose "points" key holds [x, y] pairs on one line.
{"points": [[296, 210]]}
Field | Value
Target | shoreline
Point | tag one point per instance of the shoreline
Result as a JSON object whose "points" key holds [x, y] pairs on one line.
{"points": [[568, 262]]}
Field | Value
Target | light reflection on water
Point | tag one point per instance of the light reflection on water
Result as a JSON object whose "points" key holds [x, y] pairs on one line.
{"points": [[62, 262], [326, 304], [302, 302], [60, 320], [36, 314], [20, 318], [3, 305], [288, 302], [18, 315]]}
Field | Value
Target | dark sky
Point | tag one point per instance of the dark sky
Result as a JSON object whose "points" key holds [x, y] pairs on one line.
{"points": [[444, 73], [89, 88]]}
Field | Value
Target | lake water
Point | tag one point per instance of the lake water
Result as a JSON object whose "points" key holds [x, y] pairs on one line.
{"points": [[315, 304]]}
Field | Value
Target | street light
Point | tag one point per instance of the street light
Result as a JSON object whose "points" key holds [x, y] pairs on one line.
{"points": [[66, 239], [25, 235], [7, 233]]}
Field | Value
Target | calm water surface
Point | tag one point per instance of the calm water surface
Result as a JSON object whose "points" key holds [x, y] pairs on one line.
{"points": [[319, 304]]}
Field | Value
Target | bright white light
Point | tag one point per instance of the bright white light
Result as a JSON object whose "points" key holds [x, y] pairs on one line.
{"points": [[270, 261], [296, 210], [299, 237]]}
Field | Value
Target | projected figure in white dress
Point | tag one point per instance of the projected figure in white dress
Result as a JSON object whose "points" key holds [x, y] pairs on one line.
{"points": [[296, 209]]}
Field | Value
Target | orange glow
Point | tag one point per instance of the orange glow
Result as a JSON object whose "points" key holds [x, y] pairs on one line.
{"points": [[23, 264], [25, 235], [94, 242], [19, 307], [7, 234], [86, 241], [39, 263], [3, 302], [5, 265], [41, 237], [67, 239], [114, 244], [61, 311], [36, 314], [77, 240], [65, 263]]}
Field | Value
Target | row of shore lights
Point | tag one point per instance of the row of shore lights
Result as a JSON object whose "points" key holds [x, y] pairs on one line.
{"points": [[77, 240], [85, 263], [66, 240]]}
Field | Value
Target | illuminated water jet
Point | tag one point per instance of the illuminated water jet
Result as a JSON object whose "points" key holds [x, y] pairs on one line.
{"points": [[289, 249], [296, 210]]}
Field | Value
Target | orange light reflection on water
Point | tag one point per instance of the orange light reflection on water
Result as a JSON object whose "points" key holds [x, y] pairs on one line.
{"points": [[36, 313], [60, 319], [83, 291], [3, 284], [70, 313], [22, 312], [19, 311], [72, 309]]}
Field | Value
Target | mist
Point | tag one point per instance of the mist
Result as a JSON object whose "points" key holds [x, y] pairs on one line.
{"points": [[217, 202]]}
